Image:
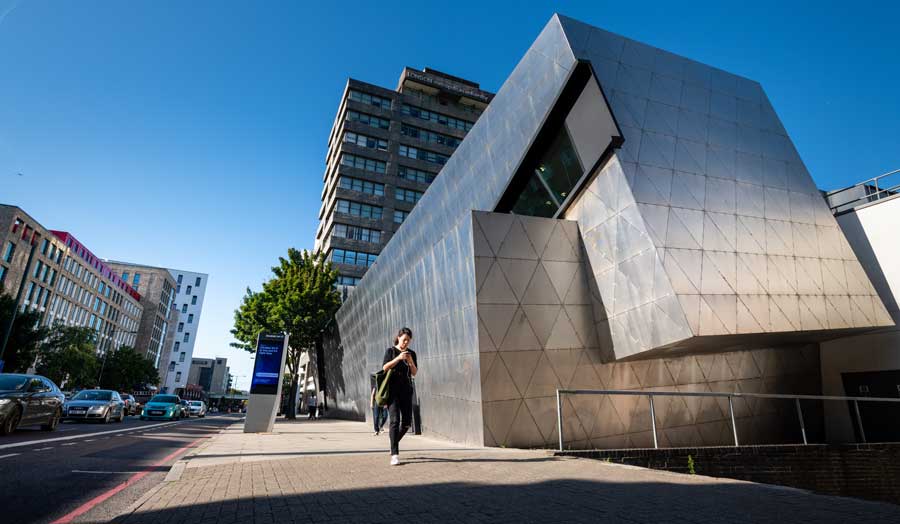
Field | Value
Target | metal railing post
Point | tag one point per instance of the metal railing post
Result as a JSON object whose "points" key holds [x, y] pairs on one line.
{"points": [[800, 416], [862, 432], [731, 414], [653, 422], [559, 419]]}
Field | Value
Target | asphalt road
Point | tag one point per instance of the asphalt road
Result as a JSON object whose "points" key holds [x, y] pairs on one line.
{"points": [[92, 468]]}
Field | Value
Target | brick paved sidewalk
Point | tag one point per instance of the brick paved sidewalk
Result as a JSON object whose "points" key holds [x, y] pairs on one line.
{"points": [[324, 481]]}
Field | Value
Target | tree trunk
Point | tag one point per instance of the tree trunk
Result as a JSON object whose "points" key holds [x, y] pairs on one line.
{"points": [[304, 392]]}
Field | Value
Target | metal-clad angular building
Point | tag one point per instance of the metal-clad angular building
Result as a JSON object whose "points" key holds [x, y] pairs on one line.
{"points": [[619, 217]]}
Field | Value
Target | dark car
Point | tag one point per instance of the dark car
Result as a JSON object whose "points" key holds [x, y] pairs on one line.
{"points": [[95, 404], [26, 400], [130, 404]]}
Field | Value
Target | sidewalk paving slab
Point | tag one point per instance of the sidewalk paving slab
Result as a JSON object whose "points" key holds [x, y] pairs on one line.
{"points": [[337, 472]]}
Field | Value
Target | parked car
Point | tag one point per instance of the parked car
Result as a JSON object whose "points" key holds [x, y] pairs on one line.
{"points": [[185, 409], [95, 404], [26, 400], [130, 404], [165, 407], [197, 408]]}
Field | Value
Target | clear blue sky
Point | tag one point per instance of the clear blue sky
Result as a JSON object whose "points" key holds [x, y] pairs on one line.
{"points": [[194, 136]]}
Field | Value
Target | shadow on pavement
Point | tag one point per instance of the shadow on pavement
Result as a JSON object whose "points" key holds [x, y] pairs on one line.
{"points": [[540, 502]]}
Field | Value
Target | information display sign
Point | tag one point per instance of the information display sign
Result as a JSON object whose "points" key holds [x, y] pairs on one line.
{"points": [[267, 368]]}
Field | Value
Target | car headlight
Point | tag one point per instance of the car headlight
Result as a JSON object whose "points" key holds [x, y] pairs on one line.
{"points": [[96, 409]]}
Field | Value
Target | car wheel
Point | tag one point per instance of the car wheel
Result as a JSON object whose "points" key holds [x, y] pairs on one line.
{"points": [[122, 416], [12, 421], [106, 417], [54, 421]]}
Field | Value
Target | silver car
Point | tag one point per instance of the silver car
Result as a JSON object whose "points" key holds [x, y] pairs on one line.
{"points": [[95, 404], [197, 408]]}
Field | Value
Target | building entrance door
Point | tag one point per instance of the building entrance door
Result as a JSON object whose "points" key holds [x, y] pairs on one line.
{"points": [[879, 419]]}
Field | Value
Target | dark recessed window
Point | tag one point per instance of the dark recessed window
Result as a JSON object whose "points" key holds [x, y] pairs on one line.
{"points": [[552, 179]]}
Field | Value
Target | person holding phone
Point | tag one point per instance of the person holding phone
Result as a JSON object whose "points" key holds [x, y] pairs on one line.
{"points": [[403, 361]]}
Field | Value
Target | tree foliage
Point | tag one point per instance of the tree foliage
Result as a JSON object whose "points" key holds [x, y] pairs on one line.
{"points": [[69, 357], [25, 337], [299, 300], [125, 368]]}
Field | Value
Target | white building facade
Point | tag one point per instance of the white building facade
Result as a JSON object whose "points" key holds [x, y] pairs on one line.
{"points": [[190, 290]]}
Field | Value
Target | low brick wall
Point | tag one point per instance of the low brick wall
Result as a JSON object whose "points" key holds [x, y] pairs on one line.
{"points": [[867, 471]]}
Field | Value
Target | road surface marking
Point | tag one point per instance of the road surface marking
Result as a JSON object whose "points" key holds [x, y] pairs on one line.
{"points": [[68, 443], [9, 455], [89, 505], [44, 449], [82, 435]]}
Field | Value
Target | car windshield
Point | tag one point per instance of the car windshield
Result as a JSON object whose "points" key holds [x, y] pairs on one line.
{"points": [[196, 403], [90, 394], [165, 399], [13, 382]]}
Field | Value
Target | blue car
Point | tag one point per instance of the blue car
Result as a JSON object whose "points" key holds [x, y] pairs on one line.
{"points": [[162, 407]]}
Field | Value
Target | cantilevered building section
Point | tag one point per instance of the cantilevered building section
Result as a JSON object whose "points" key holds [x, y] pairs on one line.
{"points": [[620, 217], [385, 149]]}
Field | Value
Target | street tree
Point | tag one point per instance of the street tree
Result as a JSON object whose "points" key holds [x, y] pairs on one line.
{"points": [[298, 300], [68, 357], [26, 335], [125, 368]]}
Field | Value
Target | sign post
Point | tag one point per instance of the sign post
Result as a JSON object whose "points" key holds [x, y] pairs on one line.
{"points": [[265, 386]]}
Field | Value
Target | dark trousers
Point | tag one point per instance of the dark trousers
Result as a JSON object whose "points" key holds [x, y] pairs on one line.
{"points": [[401, 418], [379, 416]]}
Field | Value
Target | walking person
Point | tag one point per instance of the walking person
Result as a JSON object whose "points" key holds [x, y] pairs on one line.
{"points": [[311, 403], [379, 413], [403, 361]]}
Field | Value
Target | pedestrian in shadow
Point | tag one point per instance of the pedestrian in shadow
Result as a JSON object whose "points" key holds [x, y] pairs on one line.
{"points": [[379, 413], [403, 361], [311, 403]]}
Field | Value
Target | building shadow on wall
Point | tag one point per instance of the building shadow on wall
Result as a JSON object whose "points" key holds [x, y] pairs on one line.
{"points": [[707, 500]]}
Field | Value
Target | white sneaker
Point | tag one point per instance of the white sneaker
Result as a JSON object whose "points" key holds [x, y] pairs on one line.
{"points": [[395, 460]]}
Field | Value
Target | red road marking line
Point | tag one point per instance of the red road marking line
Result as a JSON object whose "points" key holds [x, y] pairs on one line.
{"points": [[89, 505]]}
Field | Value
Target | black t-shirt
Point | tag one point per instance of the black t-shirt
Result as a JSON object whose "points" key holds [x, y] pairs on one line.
{"points": [[401, 377]]}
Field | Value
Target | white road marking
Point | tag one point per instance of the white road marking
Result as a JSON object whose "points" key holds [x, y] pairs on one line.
{"points": [[82, 435], [68, 443], [44, 449], [9, 455]]}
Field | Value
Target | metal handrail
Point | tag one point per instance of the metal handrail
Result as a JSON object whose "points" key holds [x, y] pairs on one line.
{"points": [[730, 396], [872, 197]]}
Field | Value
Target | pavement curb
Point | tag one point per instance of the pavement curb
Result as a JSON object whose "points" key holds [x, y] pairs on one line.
{"points": [[150, 493]]}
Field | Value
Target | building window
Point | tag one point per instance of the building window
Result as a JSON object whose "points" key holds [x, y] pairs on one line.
{"points": [[177, 345], [371, 100], [431, 116], [178, 376], [8, 254], [181, 356], [366, 164], [172, 366], [354, 258], [366, 141], [357, 209], [187, 337], [416, 175], [179, 278], [184, 308], [423, 154], [429, 136], [180, 327], [197, 282], [194, 300], [344, 280], [3, 272], [356, 233], [407, 195], [190, 318], [369, 120], [400, 216], [362, 186], [552, 178], [137, 280]]}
